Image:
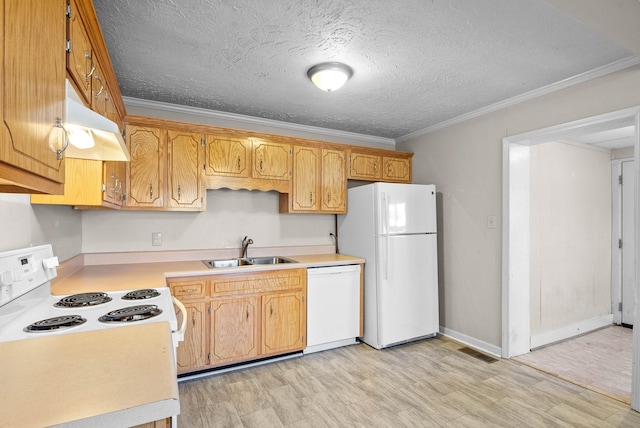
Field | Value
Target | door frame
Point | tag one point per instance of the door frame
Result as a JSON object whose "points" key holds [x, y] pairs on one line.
{"points": [[516, 330], [617, 279]]}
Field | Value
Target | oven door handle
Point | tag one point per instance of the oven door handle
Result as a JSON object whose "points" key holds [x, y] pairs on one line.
{"points": [[183, 324]]}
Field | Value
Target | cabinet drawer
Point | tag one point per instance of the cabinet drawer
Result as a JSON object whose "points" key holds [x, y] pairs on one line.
{"points": [[268, 281], [188, 289]]}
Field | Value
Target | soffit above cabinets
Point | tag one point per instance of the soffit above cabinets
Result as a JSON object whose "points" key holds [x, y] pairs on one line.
{"points": [[416, 63]]}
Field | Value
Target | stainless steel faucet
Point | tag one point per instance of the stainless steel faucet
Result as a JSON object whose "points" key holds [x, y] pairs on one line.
{"points": [[245, 246]]}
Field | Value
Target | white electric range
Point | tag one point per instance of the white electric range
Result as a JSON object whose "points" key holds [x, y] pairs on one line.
{"points": [[29, 310]]}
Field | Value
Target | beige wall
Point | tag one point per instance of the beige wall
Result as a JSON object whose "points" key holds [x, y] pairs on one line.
{"points": [[464, 161], [24, 226], [570, 227]]}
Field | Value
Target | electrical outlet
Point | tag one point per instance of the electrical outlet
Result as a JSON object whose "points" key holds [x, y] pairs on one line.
{"points": [[491, 222], [156, 239]]}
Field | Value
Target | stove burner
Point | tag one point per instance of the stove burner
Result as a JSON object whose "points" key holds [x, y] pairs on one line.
{"points": [[146, 293], [131, 314], [83, 300], [56, 323]]}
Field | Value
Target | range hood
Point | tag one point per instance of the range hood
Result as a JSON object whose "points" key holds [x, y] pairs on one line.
{"points": [[108, 144]]}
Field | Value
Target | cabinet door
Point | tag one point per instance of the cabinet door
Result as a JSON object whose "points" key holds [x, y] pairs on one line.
{"points": [[306, 175], [234, 330], [192, 351], [114, 182], [228, 157], [283, 322], [271, 161], [334, 181], [146, 172], [396, 169], [185, 170], [80, 61], [32, 43], [98, 91], [365, 166]]}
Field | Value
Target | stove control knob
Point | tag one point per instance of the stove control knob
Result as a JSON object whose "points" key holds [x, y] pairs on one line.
{"points": [[6, 277]]}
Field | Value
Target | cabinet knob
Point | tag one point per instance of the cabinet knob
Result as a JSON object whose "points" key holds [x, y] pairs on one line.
{"points": [[151, 190], [238, 163], [179, 192]]}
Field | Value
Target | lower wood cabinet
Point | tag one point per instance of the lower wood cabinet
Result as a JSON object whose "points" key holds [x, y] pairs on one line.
{"points": [[283, 322], [192, 352], [235, 330], [237, 317]]}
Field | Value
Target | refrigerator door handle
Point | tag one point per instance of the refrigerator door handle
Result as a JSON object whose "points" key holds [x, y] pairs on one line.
{"points": [[385, 241], [385, 214]]}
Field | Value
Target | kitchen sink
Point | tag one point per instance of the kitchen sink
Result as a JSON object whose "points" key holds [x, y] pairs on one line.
{"points": [[226, 263], [246, 262], [269, 260]]}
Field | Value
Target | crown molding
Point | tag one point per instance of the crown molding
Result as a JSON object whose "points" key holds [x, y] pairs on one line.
{"points": [[243, 119], [580, 78]]}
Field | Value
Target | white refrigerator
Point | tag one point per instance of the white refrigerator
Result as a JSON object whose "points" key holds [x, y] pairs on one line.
{"points": [[393, 227]]}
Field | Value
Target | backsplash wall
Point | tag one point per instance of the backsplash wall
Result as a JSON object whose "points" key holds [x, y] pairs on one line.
{"points": [[230, 216]]}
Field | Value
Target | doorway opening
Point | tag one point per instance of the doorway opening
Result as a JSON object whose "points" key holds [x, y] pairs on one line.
{"points": [[516, 276]]}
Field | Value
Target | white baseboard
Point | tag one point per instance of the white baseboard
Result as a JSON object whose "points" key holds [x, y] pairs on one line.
{"points": [[480, 345], [569, 331]]}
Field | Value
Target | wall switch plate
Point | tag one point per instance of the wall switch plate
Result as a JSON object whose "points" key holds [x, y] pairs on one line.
{"points": [[491, 222], [156, 239]]}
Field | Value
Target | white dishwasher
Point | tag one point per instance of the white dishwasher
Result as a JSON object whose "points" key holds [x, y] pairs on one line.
{"points": [[333, 307]]}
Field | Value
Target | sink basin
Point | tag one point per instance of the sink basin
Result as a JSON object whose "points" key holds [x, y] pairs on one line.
{"points": [[212, 264], [226, 263], [269, 260]]}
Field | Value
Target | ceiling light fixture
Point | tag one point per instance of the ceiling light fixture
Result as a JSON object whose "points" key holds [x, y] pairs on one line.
{"points": [[329, 76]]}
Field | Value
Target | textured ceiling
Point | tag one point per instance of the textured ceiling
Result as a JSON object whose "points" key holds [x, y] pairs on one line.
{"points": [[416, 63]]}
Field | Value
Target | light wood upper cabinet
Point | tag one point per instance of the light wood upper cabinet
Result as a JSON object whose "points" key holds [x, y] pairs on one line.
{"points": [[98, 91], [379, 165], [396, 169], [146, 174], [365, 166], [185, 170], [306, 179], [247, 163], [334, 181], [81, 63], [89, 184], [165, 171], [235, 333], [114, 182], [227, 157], [271, 161], [319, 182], [32, 50]]}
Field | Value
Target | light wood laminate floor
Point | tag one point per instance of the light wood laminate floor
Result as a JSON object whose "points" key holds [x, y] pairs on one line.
{"points": [[423, 384], [600, 361]]}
